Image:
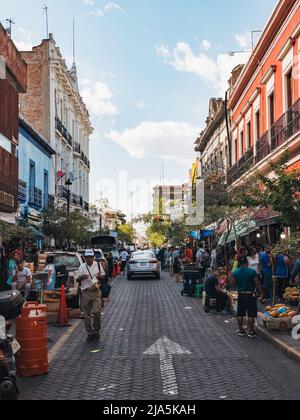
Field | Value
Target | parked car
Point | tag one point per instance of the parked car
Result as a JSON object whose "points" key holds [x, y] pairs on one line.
{"points": [[143, 263], [67, 265]]}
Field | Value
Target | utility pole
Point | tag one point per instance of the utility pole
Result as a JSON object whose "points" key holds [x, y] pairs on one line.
{"points": [[10, 22], [68, 184], [47, 20]]}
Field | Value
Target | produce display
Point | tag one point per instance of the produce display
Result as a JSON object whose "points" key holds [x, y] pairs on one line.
{"points": [[279, 312], [291, 294]]}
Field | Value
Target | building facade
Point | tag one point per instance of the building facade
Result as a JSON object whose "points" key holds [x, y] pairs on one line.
{"points": [[265, 104], [168, 199], [212, 144], [36, 192], [54, 107], [13, 81]]}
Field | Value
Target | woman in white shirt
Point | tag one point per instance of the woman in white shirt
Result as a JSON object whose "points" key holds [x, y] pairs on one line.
{"points": [[253, 260]]}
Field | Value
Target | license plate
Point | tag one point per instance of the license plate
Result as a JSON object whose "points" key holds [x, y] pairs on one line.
{"points": [[143, 265], [15, 346]]}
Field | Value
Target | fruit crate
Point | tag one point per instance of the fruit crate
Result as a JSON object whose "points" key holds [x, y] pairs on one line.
{"points": [[280, 325]]}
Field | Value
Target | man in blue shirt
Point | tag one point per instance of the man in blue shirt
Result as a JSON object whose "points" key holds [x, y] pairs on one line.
{"points": [[267, 271], [248, 283]]}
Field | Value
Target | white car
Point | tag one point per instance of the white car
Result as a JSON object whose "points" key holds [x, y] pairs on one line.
{"points": [[143, 263]]}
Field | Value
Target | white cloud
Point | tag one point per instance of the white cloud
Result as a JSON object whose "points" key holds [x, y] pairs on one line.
{"points": [[244, 40], [172, 141], [206, 45], [23, 46], [163, 51], [113, 6], [213, 70], [108, 8], [98, 98]]}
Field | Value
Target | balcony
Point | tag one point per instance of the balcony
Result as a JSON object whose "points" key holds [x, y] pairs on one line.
{"points": [[22, 196], [281, 131], [58, 125], [63, 131], [35, 198], [63, 192], [241, 167], [86, 206], [77, 148], [77, 200]]}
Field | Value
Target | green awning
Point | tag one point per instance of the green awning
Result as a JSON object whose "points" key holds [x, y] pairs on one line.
{"points": [[239, 230]]}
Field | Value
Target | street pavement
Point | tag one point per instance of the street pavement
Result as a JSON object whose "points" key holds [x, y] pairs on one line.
{"points": [[204, 358]]}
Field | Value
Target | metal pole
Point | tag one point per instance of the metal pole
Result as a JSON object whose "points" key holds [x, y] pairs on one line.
{"points": [[47, 20], [68, 214]]}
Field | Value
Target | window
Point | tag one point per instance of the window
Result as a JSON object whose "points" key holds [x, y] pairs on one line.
{"points": [[289, 89], [242, 143], [236, 150], [249, 136], [271, 109], [46, 188], [257, 125]]}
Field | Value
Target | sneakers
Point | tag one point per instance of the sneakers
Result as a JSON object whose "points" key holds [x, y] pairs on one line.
{"points": [[91, 338], [252, 334], [242, 333]]}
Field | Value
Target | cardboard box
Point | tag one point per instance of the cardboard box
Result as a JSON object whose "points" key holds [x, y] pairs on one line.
{"points": [[52, 306], [51, 296]]}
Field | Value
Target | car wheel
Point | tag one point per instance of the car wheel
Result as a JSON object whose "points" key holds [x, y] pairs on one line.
{"points": [[129, 277], [157, 277]]}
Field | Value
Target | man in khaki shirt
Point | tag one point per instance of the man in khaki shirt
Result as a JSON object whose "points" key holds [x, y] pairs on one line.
{"points": [[89, 278]]}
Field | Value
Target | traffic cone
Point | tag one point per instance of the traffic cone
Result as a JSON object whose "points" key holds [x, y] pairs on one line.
{"points": [[114, 271], [63, 319], [118, 269]]}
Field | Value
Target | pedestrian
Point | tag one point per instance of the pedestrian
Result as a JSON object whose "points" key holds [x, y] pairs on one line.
{"points": [[253, 260], [22, 280], [214, 291], [51, 270], [90, 275], [282, 273], [124, 258], [177, 269], [167, 258], [161, 258], [248, 284], [214, 263], [3, 270], [176, 253], [15, 256], [295, 276], [243, 253], [110, 265], [266, 263]]}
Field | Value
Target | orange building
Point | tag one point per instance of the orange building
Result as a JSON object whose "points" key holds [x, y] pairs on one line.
{"points": [[265, 103]]}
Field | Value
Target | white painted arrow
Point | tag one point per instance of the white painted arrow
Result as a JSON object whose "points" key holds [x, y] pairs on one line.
{"points": [[166, 349]]}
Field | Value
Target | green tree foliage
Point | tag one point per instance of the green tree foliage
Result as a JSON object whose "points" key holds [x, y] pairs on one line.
{"points": [[126, 233], [79, 228]]}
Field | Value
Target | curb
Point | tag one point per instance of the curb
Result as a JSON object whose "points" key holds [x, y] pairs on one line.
{"points": [[279, 344]]}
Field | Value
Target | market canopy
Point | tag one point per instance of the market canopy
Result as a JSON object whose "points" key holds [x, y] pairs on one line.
{"points": [[239, 230]]}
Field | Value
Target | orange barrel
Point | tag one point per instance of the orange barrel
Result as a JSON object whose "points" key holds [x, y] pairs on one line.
{"points": [[31, 333]]}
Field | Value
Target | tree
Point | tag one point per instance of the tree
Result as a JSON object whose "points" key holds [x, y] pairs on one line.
{"points": [[279, 192], [14, 236], [156, 239], [126, 233], [79, 228]]}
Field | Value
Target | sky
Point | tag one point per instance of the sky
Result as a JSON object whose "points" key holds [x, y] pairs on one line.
{"points": [[147, 69]]}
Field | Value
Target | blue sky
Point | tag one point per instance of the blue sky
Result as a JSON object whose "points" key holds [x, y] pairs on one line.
{"points": [[147, 69]]}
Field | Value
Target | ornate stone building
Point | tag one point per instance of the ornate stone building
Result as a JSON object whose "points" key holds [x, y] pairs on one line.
{"points": [[54, 107]]}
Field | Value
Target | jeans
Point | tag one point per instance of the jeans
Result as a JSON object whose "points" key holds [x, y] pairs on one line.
{"points": [[267, 285]]}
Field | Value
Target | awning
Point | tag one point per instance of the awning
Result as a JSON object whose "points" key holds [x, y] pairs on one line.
{"points": [[239, 230]]}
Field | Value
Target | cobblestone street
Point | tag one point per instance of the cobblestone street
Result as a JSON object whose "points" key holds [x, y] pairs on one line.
{"points": [[221, 365]]}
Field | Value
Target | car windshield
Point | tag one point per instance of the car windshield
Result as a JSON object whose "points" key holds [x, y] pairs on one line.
{"points": [[70, 261], [143, 255]]}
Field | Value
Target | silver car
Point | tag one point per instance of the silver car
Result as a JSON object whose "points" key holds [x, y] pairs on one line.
{"points": [[143, 263]]}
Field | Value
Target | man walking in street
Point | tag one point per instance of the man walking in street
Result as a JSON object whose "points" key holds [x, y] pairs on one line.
{"points": [[89, 278], [248, 283], [124, 258], [266, 263]]}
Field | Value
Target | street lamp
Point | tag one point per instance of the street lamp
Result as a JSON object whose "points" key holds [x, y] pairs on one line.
{"points": [[69, 184]]}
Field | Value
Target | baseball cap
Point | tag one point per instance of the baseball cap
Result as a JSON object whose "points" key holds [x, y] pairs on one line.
{"points": [[89, 253]]}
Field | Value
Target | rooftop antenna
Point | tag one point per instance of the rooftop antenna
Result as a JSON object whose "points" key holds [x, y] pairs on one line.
{"points": [[10, 22], [47, 20], [74, 41]]}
